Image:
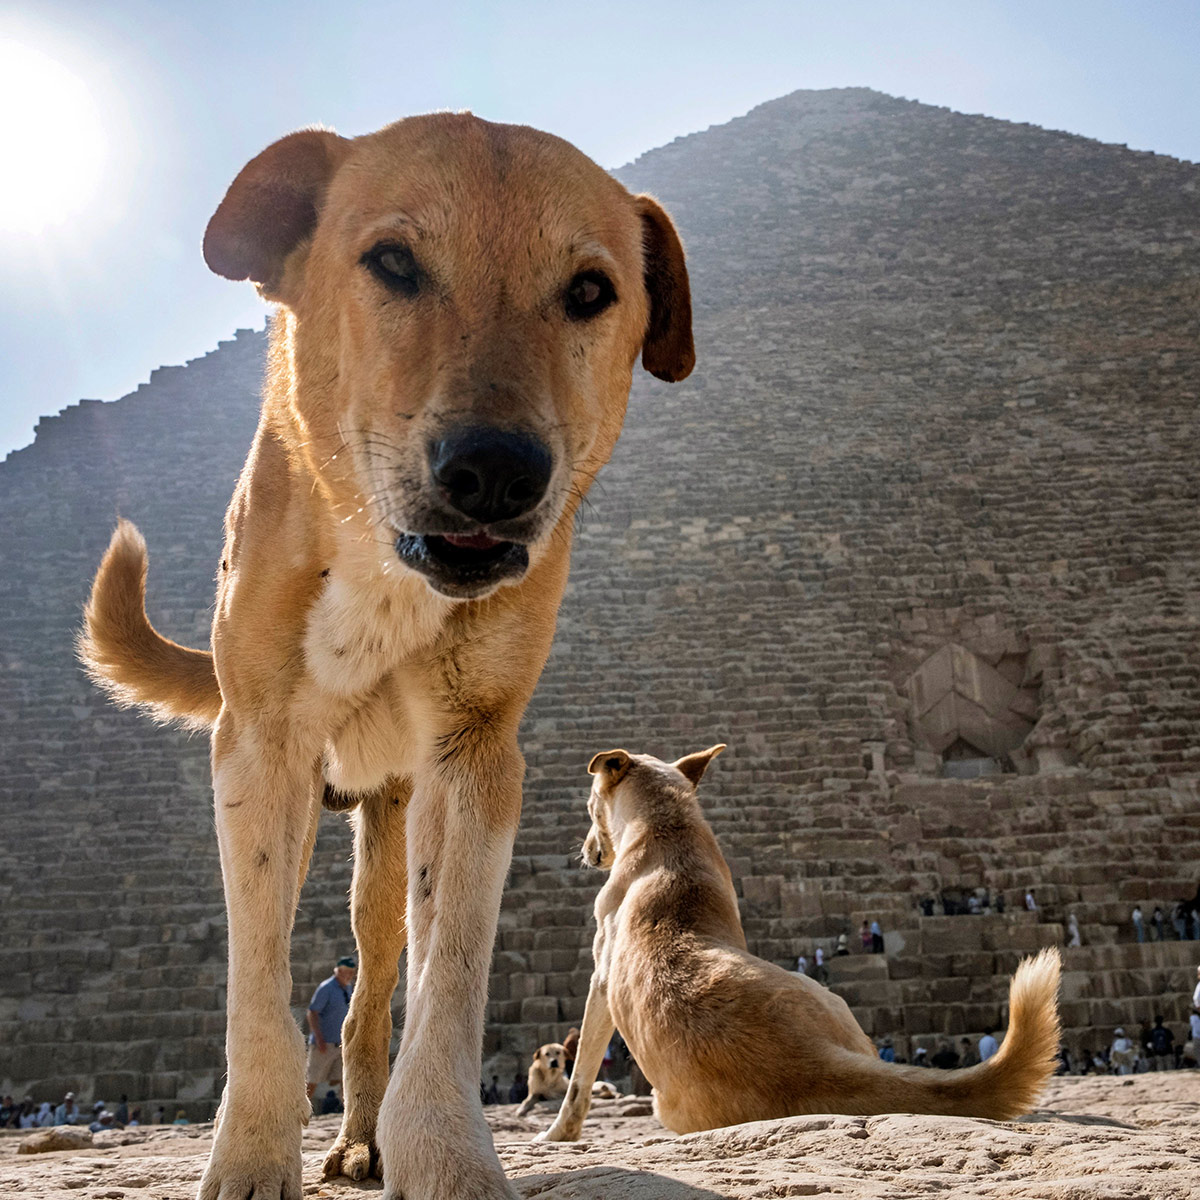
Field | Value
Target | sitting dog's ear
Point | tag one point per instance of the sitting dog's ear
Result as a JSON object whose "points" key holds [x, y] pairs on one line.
{"points": [[694, 765], [272, 207], [667, 351], [612, 764]]}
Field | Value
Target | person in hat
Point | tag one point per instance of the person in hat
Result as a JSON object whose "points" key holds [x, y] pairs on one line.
{"points": [[326, 1012], [1123, 1053], [66, 1113]]}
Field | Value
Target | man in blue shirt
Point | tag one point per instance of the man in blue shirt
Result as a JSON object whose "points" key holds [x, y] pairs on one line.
{"points": [[326, 1012]]}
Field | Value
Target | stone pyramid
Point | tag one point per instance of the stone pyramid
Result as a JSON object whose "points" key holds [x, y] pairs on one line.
{"points": [[939, 446]]}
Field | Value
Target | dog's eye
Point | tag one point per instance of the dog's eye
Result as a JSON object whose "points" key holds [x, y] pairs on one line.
{"points": [[588, 295], [395, 267]]}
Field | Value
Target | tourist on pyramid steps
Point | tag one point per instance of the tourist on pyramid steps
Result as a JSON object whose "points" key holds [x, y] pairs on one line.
{"points": [[519, 1089], [66, 1113], [1030, 902], [887, 1051], [974, 905], [1122, 1056], [945, 1057], [801, 965], [876, 938], [121, 1112], [987, 1045], [44, 1117], [1177, 922], [1000, 903], [966, 1053], [1196, 990], [1073, 938], [331, 1103], [843, 946], [181, 1117], [1139, 927], [820, 970], [570, 1049], [160, 1115], [1064, 1060], [864, 935], [26, 1116], [491, 1094], [1161, 1045], [326, 1012], [920, 1057], [1158, 924], [8, 1111]]}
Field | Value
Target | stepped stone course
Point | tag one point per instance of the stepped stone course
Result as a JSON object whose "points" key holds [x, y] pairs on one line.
{"points": [[947, 396]]}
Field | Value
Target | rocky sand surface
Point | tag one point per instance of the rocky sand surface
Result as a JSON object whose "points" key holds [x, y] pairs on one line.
{"points": [[1136, 1138]]}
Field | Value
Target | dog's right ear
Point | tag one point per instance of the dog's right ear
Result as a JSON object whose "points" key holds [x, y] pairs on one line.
{"points": [[694, 765], [272, 207], [612, 764]]}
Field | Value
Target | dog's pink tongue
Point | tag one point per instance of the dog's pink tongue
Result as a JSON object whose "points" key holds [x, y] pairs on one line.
{"points": [[474, 541]]}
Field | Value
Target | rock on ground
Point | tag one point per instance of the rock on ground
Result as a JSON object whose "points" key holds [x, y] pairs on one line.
{"points": [[1136, 1138]]}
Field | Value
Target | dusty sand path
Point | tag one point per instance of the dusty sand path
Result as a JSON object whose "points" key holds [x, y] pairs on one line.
{"points": [[1091, 1139]]}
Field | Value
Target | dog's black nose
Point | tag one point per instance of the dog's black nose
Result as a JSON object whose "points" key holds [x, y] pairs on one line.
{"points": [[491, 474]]}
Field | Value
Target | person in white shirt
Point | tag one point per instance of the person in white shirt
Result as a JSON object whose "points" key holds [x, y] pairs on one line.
{"points": [[1122, 1056], [1030, 902], [801, 965], [987, 1046], [1196, 993], [1194, 1023]]}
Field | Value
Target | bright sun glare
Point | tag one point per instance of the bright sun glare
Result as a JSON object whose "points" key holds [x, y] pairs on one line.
{"points": [[54, 141]]}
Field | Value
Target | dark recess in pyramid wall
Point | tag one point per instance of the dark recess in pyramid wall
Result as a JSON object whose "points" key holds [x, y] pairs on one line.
{"points": [[946, 396]]}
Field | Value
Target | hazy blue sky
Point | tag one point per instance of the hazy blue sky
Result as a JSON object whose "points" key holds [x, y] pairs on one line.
{"points": [[105, 197]]}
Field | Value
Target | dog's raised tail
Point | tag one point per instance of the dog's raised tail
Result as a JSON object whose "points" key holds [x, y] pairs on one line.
{"points": [[1018, 1072], [128, 657], [1005, 1086]]}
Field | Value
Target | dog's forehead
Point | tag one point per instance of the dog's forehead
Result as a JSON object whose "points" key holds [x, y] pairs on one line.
{"points": [[452, 175]]}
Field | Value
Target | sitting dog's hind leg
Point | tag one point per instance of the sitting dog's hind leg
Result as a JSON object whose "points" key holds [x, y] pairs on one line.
{"points": [[377, 912]]}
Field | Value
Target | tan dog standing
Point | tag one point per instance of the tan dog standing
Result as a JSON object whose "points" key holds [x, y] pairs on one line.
{"points": [[723, 1036], [461, 308]]}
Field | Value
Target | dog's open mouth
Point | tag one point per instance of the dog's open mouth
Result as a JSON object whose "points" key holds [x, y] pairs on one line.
{"points": [[463, 566]]}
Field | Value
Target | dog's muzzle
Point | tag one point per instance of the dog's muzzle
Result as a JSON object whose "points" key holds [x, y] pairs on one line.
{"points": [[487, 480]]}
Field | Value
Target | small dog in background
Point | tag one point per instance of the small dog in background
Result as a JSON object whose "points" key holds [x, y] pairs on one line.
{"points": [[723, 1036], [547, 1080]]}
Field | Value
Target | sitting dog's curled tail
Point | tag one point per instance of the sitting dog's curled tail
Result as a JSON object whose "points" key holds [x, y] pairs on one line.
{"points": [[1005, 1086], [128, 657]]}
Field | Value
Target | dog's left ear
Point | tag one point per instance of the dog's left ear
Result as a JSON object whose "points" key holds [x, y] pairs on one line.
{"points": [[694, 765], [612, 764], [667, 351], [271, 208]]}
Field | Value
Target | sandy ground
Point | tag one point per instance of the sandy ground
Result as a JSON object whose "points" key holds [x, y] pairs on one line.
{"points": [[1092, 1139]]}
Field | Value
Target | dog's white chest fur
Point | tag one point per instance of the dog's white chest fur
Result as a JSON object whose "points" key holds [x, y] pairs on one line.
{"points": [[365, 624]]}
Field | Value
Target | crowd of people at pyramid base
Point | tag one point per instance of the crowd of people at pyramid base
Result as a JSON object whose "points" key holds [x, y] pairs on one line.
{"points": [[32, 1114]]}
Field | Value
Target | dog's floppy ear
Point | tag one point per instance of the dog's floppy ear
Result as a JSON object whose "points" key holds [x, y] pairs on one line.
{"points": [[694, 765], [612, 764], [271, 207], [667, 351]]}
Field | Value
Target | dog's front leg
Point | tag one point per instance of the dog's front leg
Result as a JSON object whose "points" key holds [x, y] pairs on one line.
{"points": [[597, 1032], [265, 803], [463, 815], [377, 900]]}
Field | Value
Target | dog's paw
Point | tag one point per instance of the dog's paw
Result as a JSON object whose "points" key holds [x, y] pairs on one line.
{"points": [[240, 1171], [352, 1158], [441, 1154], [556, 1133]]}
